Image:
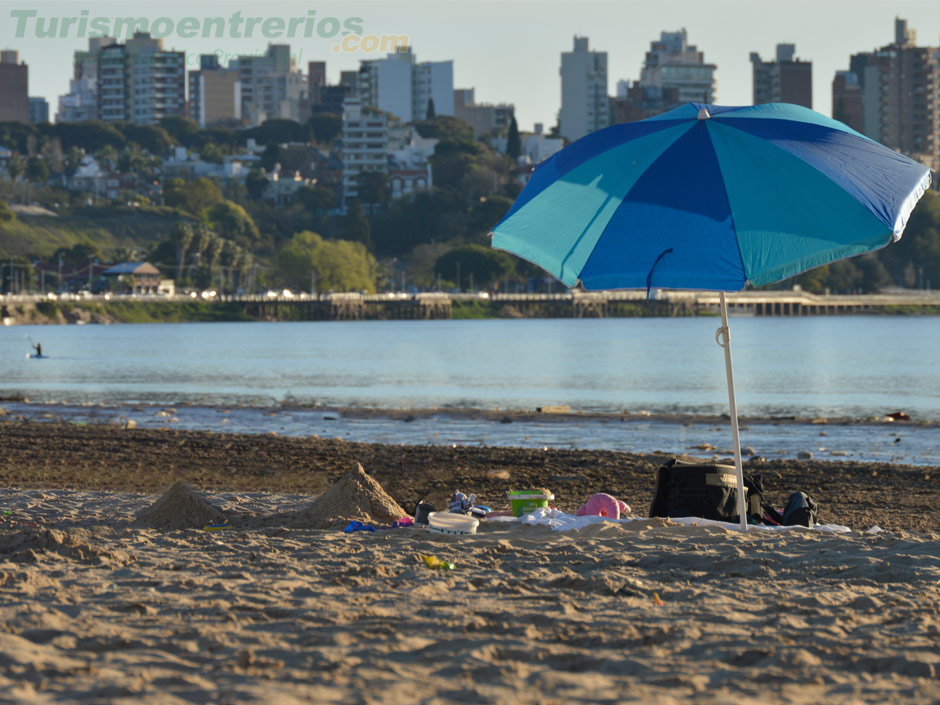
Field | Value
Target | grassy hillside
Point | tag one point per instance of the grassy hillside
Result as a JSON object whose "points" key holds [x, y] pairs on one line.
{"points": [[106, 228]]}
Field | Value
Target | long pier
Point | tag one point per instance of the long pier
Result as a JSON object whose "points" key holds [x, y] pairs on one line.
{"points": [[433, 305], [579, 304]]}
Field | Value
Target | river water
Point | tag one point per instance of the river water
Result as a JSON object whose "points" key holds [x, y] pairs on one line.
{"points": [[291, 377]]}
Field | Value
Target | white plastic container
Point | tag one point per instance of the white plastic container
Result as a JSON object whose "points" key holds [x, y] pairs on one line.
{"points": [[452, 524]]}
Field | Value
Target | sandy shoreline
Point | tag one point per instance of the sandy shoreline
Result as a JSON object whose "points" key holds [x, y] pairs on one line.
{"points": [[96, 609], [99, 610]]}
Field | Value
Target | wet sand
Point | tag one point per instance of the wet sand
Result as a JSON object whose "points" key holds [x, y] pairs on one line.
{"points": [[97, 609], [60, 455]]}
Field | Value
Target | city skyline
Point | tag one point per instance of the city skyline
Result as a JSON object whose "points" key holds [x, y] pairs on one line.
{"points": [[510, 51]]}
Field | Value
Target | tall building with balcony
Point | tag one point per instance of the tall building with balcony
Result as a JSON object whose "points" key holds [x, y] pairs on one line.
{"points": [[272, 87], [784, 80], [214, 93], [585, 106], [674, 73], [139, 82], [673, 63], [14, 88], [900, 95], [365, 144]]}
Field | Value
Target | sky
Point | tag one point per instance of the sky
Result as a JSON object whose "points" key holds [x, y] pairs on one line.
{"points": [[509, 50]]}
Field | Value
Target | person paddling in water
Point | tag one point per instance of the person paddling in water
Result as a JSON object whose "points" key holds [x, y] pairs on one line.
{"points": [[38, 348]]}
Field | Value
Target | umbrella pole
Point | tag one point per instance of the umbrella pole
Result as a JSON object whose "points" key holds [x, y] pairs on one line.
{"points": [[723, 337]]}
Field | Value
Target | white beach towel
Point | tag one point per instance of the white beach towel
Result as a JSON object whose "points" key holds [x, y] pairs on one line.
{"points": [[560, 521]]}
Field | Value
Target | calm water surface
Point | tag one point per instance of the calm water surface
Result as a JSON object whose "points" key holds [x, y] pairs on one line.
{"points": [[815, 366], [266, 373]]}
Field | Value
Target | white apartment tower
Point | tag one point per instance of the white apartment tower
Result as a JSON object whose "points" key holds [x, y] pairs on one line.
{"points": [[365, 144], [271, 86], [585, 106], [399, 85], [139, 82]]}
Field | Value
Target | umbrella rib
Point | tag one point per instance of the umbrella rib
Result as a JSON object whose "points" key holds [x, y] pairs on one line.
{"points": [[584, 232]]}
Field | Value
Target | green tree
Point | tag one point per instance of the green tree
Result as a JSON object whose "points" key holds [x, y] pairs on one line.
{"points": [[256, 183], [78, 254], [513, 143], [53, 155], [485, 264], [326, 127], [90, 136], [6, 215], [233, 221], [336, 265], [269, 157], [36, 172], [374, 189], [212, 153], [153, 138], [317, 200], [202, 239], [16, 167], [445, 127], [430, 113], [216, 248], [107, 157], [191, 196], [278, 131], [73, 160], [182, 237], [133, 159], [182, 129], [356, 225]]}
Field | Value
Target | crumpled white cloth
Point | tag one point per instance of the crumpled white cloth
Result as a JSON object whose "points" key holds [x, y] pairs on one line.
{"points": [[560, 521]]}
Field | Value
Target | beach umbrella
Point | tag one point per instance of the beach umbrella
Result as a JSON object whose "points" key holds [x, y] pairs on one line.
{"points": [[709, 197]]}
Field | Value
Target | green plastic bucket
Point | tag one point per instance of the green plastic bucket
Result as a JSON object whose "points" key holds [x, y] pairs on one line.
{"points": [[527, 501]]}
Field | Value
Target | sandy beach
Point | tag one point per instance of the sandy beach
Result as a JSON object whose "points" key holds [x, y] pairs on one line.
{"points": [[107, 596]]}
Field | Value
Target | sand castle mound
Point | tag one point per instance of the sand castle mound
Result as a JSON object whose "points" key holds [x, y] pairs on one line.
{"points": [[355, 497], [180, 507]]}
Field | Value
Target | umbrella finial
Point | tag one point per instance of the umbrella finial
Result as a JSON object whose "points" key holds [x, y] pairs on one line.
{"points": [[703, 114]]}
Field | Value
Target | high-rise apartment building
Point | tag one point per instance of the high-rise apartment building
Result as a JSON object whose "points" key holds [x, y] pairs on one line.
{"points": [[400, 85], [674, 72], [900, 95], [139, 82], [784, 80], [14, 88], [585, 106], [847, 100], [81, 102], [38, 110], [272, 86], [316, 80], [365, 144], [673, 63], [432, 82], [214, 93]]}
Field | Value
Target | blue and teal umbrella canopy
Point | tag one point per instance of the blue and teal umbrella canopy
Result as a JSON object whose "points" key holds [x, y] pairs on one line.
{"points": [[711, 197]]}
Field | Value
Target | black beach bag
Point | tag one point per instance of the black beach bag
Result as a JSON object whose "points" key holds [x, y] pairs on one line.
{"points": [[685, 489]]}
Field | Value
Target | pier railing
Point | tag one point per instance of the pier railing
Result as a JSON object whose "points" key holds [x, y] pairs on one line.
{"points": [[570, 304]]}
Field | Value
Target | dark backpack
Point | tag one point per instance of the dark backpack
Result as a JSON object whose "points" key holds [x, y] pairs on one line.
{"points": [[801, 510], [685, 489]]}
